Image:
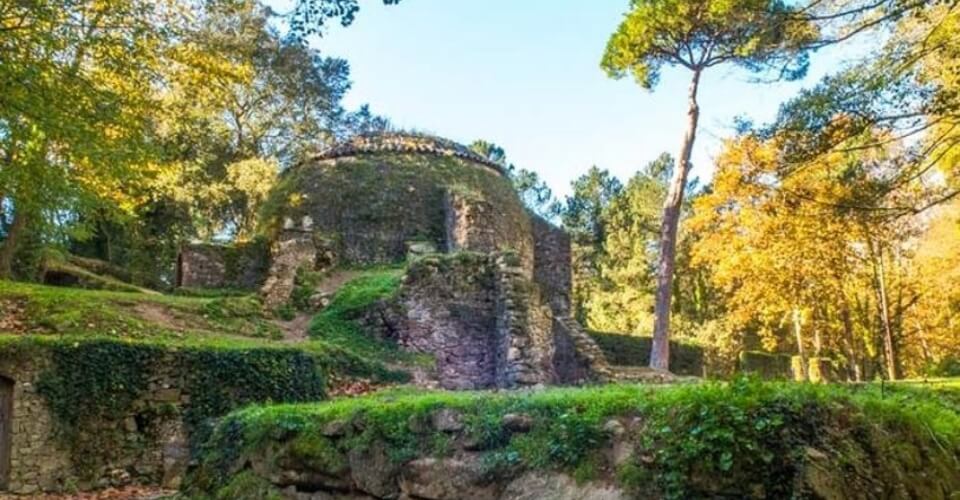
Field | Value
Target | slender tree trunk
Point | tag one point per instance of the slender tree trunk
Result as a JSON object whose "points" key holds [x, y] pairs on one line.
{"points": [[924, 345], [853, 360], [801, 350], [9, 248], [888, 347], [660, 350]]}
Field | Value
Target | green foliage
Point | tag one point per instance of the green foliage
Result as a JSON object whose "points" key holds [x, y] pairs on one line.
{"points": [[247, 306], [304, 286], [697, 441], [249, 486], [221, 380], [755, 34], [354, 297], [631, 350]]}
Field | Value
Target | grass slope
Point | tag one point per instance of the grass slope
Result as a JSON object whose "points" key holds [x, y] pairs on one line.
{"points": [[38, 314]]}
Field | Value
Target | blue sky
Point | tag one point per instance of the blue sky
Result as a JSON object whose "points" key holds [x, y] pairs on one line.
{"points": [[525, 74]]}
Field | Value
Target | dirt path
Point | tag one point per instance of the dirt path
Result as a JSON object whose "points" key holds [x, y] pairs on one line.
{"points": [[296, 330], [332, 283], [126, 493]]}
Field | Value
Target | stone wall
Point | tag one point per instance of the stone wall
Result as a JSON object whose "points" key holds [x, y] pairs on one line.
{"points": [[109, 441], [488, 325], [374, 203], [552, 262], [474, 224], [37, 459], [151, 446], [448, 309], [293, 250], [207, 265]]}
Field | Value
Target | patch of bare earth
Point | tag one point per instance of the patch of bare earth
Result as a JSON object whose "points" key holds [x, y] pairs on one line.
{"points": [[126, 493], [161, 315], [296, 330], [12, 315]]}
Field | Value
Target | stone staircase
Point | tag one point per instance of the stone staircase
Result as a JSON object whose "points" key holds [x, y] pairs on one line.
{"points": [[587, 348]]}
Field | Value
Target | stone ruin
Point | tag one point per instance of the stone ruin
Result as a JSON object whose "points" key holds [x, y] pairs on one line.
{"points": [[487, 290]]}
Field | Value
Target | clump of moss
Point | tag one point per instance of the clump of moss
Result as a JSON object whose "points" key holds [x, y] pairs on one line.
{"points": [[338, 322]]}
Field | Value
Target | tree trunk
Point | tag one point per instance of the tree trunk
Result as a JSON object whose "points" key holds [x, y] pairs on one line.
{"points": [[888, 348], [801, 351], [924, 345], [9, 248], [660, 350], [853, 360]]}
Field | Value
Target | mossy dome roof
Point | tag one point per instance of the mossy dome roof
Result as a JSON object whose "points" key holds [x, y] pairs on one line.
{"points": [[368, 196], [405, 143]]}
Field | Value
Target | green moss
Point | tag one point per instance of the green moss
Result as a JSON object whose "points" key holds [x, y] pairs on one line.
{"points": [[701, 440], [318, 452], [248, 486]]}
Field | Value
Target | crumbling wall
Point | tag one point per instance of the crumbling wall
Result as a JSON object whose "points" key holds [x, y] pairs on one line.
{"points": [[552, 261], [525, 345], [135, 411], [208, 265], [375, 203], [448, 308], [293, 250], [475, 224], [488, 325]]}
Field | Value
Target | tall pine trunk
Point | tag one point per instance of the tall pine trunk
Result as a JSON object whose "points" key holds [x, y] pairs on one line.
{"points": [[660, 350]]}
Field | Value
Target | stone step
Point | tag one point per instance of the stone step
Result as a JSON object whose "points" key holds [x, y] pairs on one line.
{"points": [[646, 375]]}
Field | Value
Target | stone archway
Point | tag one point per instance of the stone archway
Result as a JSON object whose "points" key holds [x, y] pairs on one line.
{"points": [[6, 429]]}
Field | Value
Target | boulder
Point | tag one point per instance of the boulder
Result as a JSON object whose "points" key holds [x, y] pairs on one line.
{"points": [[373, 471], [447, 420], [459, 478], [548, 485]]}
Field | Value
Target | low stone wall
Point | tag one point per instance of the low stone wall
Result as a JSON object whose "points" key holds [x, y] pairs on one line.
{"points": [[594, 443], [207, 265], [766, 365], [634, 350], [97, 429]]}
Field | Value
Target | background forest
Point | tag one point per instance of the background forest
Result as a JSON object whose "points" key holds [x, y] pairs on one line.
{"points": [[130, 127]]}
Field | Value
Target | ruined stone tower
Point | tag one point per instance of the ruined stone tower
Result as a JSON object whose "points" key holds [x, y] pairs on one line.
{"points": [[487, 285]]}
